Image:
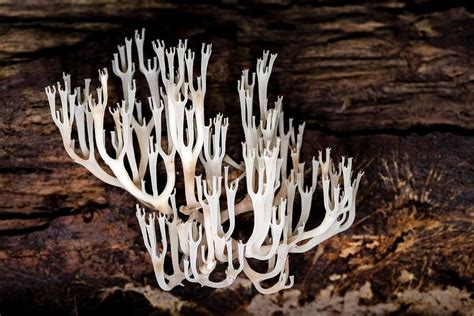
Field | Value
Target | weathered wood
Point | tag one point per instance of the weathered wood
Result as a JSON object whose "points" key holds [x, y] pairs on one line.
{"points": [[390, 84]]}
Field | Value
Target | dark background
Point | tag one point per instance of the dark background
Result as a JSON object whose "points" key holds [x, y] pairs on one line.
{"points": [[387, 82]]}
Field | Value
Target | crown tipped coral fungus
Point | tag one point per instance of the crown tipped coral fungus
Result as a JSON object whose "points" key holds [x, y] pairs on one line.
{"points": [[194, 236]]}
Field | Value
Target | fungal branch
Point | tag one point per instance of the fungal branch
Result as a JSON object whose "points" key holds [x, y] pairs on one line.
{"points": [[199, 236]]}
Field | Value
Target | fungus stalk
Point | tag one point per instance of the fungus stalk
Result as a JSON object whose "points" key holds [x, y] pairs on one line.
{"points": [[193, 236]]}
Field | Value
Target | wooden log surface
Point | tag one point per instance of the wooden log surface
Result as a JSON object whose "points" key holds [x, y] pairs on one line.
{"points": [[390, 83]]}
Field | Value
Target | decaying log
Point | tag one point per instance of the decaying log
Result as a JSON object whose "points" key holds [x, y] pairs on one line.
{"points": [[390, 83]]}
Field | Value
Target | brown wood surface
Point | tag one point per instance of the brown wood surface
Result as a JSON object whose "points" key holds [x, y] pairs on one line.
{"points": [[388, 82]]}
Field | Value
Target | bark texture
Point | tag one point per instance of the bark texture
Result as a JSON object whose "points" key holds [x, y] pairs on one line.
{"points": [[389, 83]]}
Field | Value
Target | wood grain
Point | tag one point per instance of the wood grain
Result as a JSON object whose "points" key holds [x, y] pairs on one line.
{"points": [[389, 83]]}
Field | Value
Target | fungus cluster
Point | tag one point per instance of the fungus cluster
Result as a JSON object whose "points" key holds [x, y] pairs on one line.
{"points": [[200, 236]]}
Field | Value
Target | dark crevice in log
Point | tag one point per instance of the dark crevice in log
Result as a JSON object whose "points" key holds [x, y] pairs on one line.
{"points": [[42, 217], [19, 170], [425, 7], [417, 129], [51, 215], [19, 231]]}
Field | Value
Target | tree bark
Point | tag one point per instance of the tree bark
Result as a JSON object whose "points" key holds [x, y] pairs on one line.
{"points": [[391, 84]]}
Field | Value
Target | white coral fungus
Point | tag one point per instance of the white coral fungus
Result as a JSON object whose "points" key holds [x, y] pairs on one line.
{"points": [[271, 174]]}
